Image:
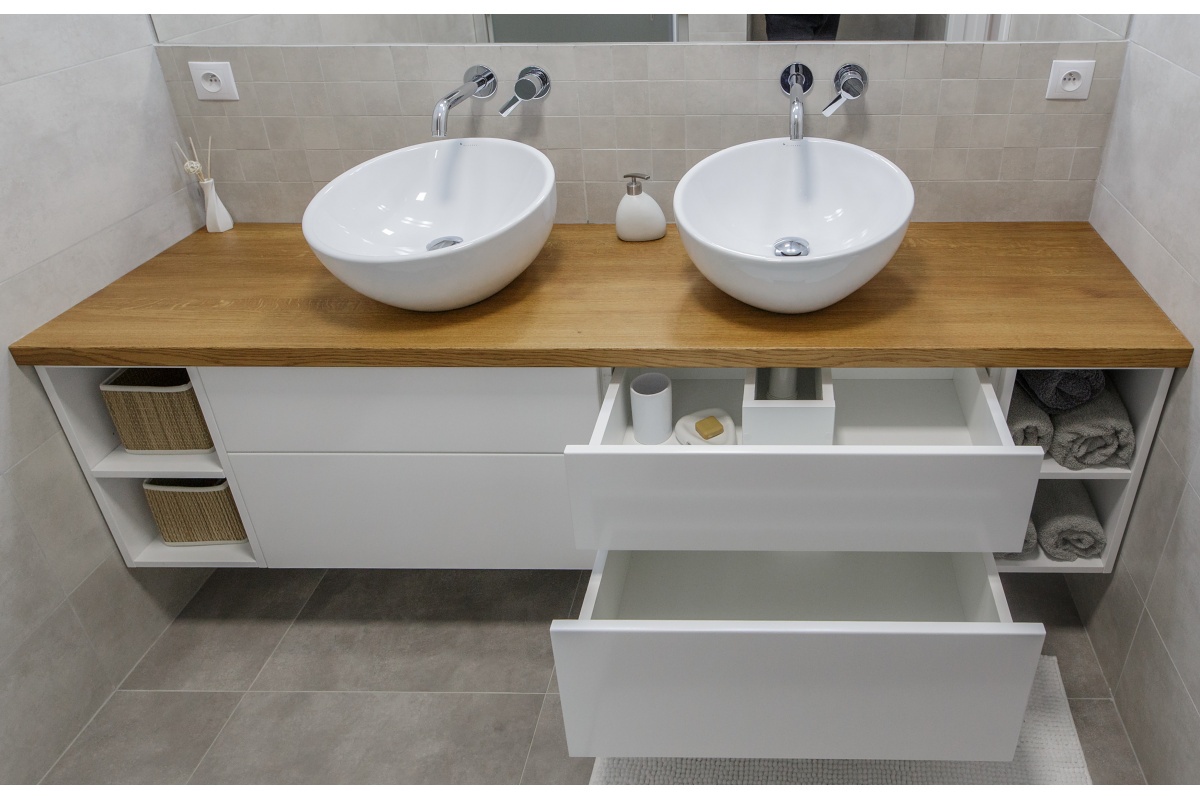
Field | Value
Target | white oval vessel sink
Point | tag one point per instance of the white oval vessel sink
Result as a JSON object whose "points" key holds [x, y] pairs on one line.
{"points": [[844, 206], [435, 226]]}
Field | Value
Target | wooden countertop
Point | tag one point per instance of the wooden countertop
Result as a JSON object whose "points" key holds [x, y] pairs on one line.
{"points": [[955, 294]]}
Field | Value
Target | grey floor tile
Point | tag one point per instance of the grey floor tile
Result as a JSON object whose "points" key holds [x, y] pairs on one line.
{"points": [[549, 762], [1106, 748], [1044, 598], [424, 630], [222, 638], [49, 689], [367, 737], [145, 737]]}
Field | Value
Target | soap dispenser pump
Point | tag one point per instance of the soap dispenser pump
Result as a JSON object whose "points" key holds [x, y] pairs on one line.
{"points": [[639, 219]]}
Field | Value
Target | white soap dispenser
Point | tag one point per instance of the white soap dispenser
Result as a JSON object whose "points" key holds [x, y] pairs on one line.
{"points": [[639, 219]]}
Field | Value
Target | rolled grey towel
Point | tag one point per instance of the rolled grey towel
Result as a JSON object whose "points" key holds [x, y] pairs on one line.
{"points": [[1097, 434], [1066, 522], [1029, 545], [1061, 389], [1030, 425]]}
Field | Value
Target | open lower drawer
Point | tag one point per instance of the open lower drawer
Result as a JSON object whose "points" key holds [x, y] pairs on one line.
{"points": [[921, 460], [795, 655]]}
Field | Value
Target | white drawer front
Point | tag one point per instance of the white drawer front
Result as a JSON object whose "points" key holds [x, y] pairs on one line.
{"points": [[924, 463], [780, 673], [401, 410], [409, 511]]}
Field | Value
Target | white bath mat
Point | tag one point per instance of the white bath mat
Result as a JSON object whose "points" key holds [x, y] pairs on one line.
{"points": [[1048, 751]]}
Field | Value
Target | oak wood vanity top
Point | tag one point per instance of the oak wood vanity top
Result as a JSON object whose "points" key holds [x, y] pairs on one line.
{"points": [[955, 294]]}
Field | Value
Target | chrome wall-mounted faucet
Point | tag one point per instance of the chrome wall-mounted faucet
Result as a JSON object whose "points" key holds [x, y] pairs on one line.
{"points": [[850, 81], [532, 84], [478, 81], [796, 80]]}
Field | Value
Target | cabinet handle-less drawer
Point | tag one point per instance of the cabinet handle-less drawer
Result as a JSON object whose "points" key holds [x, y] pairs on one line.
{"points": [[795, 655], [921, 460]]}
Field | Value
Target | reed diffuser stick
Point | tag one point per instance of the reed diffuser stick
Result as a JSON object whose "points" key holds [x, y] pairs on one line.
{"points": [[208, 163]]}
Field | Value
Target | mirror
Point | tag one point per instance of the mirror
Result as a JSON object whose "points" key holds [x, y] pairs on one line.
{"points": [[316, 29]]}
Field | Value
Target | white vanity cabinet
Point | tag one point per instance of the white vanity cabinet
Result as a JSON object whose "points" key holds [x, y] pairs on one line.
{"points": [[405, 468]]}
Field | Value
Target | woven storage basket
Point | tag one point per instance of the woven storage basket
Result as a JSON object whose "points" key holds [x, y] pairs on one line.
{"points": [[155, 410], [194, 510]]}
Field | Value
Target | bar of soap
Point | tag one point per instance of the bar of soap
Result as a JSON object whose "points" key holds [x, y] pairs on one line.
{"points": [[709, 427]]}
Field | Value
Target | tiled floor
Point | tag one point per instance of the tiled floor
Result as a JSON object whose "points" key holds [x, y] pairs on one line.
{"points": [[360, 676]]}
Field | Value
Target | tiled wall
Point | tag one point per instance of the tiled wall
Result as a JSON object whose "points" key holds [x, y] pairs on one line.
{"points": [[318, 28], [967, 122], [89, 191], [1144, 619]]}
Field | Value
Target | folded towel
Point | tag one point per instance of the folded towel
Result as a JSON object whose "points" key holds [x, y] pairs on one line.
{"points": [[1061, 389], [1097, 434], [1029, 545], [1030, 425], [1066, 522]]}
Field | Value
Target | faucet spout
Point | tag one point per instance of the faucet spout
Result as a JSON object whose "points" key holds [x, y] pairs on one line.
{"points": [[796, 129], [441, 110], [478, 82]]}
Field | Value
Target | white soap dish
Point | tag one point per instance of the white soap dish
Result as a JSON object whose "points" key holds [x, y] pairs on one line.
{"points": [[685, 428]]}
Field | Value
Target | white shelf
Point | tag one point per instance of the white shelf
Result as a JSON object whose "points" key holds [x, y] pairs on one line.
{"points": [[158, 554], [122, 464], [1043, 563], [1052, 470]]}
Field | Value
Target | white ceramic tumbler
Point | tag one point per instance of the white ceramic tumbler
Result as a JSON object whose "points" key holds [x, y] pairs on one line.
{"points": [[650, 404]]}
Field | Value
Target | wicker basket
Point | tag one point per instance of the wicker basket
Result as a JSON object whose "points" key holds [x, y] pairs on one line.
{"points": [[194, 510], [155, 410]]}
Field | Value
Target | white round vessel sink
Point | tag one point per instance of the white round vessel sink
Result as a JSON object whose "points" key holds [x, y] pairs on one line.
{"points": [[792, 226], [435, 226]]}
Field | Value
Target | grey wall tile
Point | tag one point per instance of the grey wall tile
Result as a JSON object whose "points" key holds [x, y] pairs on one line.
{"points": [[49, 689], [1159, 716], [1110, 607], [58, 505], [29, 592], [1153, 514], [145, 737], [32, 45], [1174, 602]]}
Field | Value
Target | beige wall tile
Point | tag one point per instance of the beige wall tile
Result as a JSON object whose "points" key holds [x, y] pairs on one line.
{"points": [[924, 60], [999, 60], [1110, 608], [962, 60], [29, 592], [572, 203]]}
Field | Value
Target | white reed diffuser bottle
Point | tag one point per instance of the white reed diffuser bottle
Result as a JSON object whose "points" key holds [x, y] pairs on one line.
{"points": [[639, 219], [216, 216]]}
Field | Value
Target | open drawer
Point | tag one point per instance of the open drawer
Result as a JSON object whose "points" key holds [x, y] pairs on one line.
{"points": [[795, 655], [921, 460]]}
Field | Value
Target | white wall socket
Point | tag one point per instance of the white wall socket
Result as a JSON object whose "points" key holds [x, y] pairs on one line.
{"points": [[1070, 80], [213, 80]]}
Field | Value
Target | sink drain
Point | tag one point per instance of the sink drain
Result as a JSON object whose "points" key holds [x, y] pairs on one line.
{"points": [[791, 246], [444, 242]]}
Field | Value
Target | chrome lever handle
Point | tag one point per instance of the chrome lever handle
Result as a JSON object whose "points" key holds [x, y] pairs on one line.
{"points": [[532, 84], [850, 81]]}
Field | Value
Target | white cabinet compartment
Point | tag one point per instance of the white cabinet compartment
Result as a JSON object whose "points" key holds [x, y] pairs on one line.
{"points": [[401, 410], [407, 511], [921, 460], [808, 419], [795, 655]]}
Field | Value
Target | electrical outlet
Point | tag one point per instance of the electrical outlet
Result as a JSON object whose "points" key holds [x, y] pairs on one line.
{"points": [[213, 80], [1070, 80]]}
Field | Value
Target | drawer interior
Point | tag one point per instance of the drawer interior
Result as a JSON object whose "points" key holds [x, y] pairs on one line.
{"points": [[797, 586], [873, 407]]}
